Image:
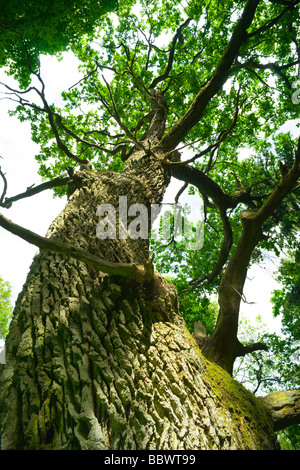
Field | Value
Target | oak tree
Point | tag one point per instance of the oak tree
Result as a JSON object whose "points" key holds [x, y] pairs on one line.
{"points": [[99, 355]]}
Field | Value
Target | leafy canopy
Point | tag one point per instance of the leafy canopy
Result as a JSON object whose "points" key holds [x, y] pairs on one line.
{"points": [[31, 27]]}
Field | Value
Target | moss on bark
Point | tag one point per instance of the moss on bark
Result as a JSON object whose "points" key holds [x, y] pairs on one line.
{"points": [[101, 362]]}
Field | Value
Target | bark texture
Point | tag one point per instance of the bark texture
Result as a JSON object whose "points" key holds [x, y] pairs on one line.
{"points": [[100, 362], [284, 407]]}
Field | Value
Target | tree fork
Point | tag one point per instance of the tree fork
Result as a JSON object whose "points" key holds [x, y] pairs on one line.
{"points": [[223, 346]]}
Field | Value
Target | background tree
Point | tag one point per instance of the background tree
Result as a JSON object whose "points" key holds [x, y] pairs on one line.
{"points": [[44, 28], [269, 371], [5, 307], [98, 354]]}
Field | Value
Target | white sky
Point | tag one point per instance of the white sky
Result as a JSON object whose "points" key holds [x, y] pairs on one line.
{"points": [[17, 151], [37, 213]]}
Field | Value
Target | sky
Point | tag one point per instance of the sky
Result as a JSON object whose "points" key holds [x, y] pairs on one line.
{"points": [[37, 212], [20, 168]]}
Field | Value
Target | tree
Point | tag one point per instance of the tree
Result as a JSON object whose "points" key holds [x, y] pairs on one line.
{"points": [[5, 307], [98, 353], [270, 371]]}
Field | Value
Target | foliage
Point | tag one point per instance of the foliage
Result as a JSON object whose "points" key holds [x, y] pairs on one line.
{"points": [[132, 53], [289, 438], [5, 307], [264, 372], [286, 301], [267, 371], [44, 27]]}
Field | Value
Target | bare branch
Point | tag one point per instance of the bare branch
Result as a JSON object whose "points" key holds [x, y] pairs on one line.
{"points": [[251, 348], [31, 191], [209, 188], [85, 77], [272, 66], [47, 109], [51, 116], [115, 115], [181, 190], [4, 187], [76, 137], [223, 255], [130, 271], [213, 147]]}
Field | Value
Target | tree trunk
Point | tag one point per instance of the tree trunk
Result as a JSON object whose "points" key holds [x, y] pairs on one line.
{"points": [[101, 362]]}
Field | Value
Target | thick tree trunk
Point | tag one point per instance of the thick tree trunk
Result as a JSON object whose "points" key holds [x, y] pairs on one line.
{"points": [[101, 362]]}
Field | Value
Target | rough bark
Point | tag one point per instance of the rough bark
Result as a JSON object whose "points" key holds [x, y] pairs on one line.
{"points": [[100, 362], [224, 347], [284, 407]]}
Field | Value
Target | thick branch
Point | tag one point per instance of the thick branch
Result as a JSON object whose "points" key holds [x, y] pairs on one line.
{"points": [[285, 185], [203, 182], [196, 110], [159, 109], [284, 407], [274, 21], [223, 345], [251, 348], [130, 271]]}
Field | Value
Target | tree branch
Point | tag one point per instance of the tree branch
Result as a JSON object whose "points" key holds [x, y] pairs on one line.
{"points": [[31, 191], [220, 76], [223, 344], [209, 188], [223, 255], [284, 408], [275, 20], [251, 348], [115, 115], [130, 271], [51, 115], [223, 134], [203, 182], [277, 69], [285, 185], [4, 186], [176, 37]]}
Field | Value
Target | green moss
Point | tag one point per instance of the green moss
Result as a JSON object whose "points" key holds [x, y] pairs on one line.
{"points": [[248, 413], [250, 416]]}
